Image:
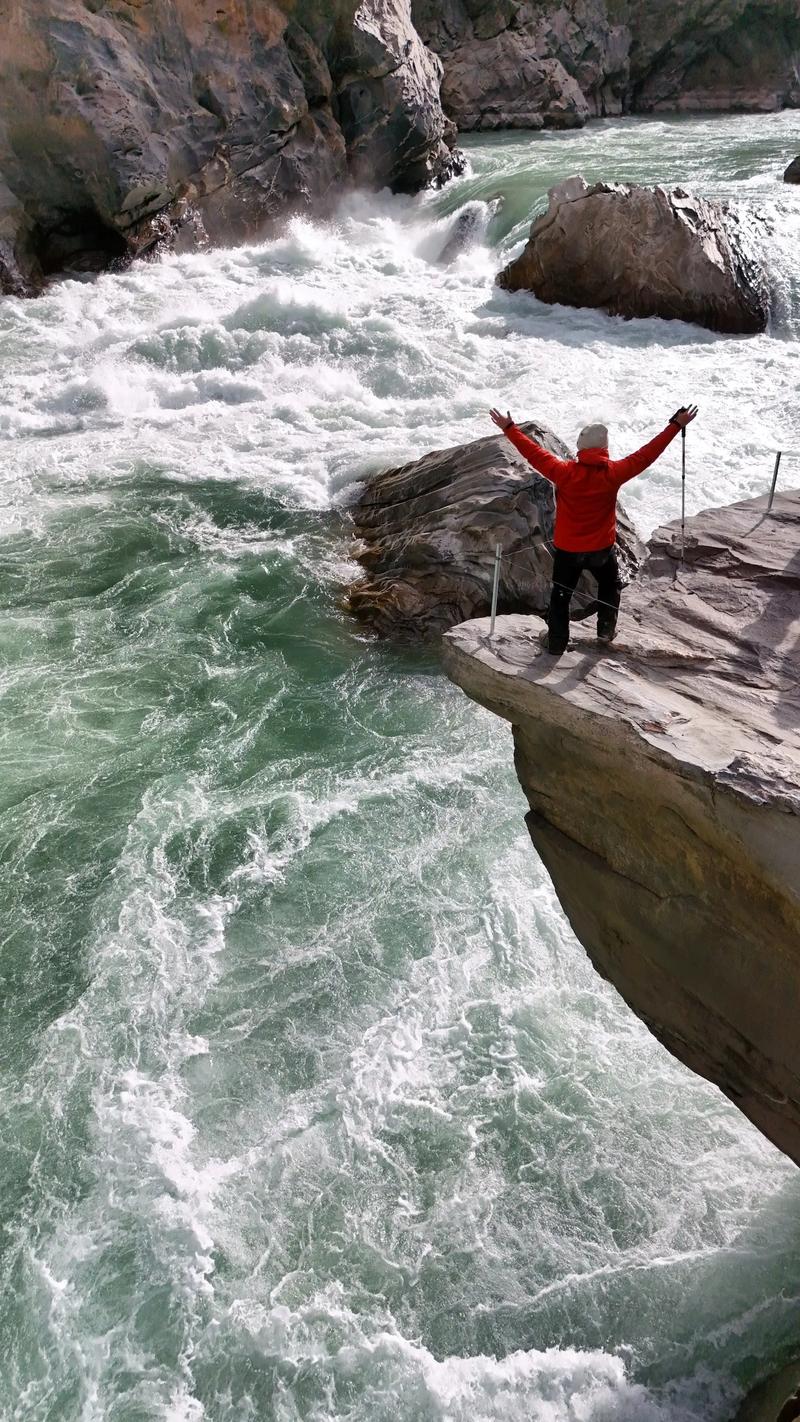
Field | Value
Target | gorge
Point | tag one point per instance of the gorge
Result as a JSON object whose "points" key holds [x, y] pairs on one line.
{"points": [[314, 1107], [128, 126]]}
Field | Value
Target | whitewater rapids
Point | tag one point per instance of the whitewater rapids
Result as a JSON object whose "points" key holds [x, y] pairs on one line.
{"points": [[312, 1105]]}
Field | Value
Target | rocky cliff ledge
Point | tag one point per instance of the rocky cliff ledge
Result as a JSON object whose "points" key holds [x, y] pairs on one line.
{"points": [[663, 777]]}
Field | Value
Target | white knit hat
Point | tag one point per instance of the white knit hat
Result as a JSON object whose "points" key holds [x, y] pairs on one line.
{"points": [[593, 437]]}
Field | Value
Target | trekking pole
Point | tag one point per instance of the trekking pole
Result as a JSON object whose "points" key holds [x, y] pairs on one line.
{"points": [[683, 493], [498, 552], [778, 458]]}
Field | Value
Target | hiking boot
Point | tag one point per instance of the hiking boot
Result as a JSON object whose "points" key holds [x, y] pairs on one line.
{"points": [[554, 645], [606, 627]]}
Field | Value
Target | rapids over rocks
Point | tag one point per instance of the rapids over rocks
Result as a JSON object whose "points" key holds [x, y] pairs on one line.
{"points": [[313, 1106]]}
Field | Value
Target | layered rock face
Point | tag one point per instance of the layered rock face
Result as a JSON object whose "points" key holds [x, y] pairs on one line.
{"points": [[427, 535], [519, 63], [127, 122], [643, 252], [663, 778]]}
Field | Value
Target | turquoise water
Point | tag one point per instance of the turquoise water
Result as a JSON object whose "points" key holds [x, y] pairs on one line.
{"points": [[312, 1105]]}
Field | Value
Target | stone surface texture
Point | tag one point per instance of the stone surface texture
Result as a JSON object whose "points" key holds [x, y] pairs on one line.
{"points": [[792, 174], [124, 123], [663, 778], [510, 61], [635, 251], [427, 534]]}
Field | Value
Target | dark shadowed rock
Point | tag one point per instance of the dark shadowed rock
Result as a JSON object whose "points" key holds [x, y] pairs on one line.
{"points": [[792, 174], [469, 227], [663, 778], [124, 125], [427, 534], [643, 252]]}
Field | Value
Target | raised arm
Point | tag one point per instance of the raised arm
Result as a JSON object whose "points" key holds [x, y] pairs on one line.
{"points": [[621, 470], [541, 459]]}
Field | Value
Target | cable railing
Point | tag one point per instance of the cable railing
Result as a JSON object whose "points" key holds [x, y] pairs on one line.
{"points": [[499, 556]]}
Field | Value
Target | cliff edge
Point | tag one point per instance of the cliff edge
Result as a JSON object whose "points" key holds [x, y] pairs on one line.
{"points": [[663, 778]]}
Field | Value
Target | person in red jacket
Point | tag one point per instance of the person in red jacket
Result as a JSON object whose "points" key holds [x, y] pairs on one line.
{"points": [[586, 515]]}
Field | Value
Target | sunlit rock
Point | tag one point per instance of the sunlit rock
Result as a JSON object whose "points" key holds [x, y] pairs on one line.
{"points": [[635, 251]]}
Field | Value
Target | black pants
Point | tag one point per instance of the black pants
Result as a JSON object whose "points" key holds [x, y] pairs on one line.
{"points": [[567, 568]]}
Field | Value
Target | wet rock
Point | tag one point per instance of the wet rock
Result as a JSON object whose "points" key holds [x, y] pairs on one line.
{"points": [[427, 534], [663, 778], [634, 251], [125, 125], [776, 1399], [792, 174], [469, 228]]}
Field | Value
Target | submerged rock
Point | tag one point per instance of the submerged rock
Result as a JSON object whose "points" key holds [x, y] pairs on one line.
{"points": [[663, 778], [634, 251], [792, 174], [125, 126], [469, 228], [427, 534]]}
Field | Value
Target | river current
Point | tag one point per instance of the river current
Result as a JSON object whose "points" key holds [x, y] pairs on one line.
{"points": [[313, 1108]]}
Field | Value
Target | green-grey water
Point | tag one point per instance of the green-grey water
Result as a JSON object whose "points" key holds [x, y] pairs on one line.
{"points": [[312, 1105]]}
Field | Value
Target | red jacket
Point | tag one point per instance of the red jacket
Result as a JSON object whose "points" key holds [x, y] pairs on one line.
{"points": [[586, 487]]}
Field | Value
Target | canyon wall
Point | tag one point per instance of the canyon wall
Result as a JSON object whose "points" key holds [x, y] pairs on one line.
{"points": [[523, 64], [125, 123]]}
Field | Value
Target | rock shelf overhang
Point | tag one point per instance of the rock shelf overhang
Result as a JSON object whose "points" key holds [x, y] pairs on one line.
{"points": [[663, 778]]}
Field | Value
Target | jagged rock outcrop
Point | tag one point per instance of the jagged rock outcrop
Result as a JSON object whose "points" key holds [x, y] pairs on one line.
{"points": [[663, 778], [427, 534], [124, 123], [634, 251], [792, 174], [507, 61]]}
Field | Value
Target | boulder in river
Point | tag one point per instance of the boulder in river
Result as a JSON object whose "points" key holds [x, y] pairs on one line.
{"points": [[427, 534], [636, 251], [663, 778], [792, 174]]}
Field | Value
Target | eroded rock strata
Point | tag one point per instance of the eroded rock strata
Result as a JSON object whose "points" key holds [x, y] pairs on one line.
{"points": [[663, 778], [427, 534], [636, 251], [517, 63], [124, 123]]}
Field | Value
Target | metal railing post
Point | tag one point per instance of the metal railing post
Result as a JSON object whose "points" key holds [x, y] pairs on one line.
{"points": [[778, 458], [498, 552], [683, 493]]}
